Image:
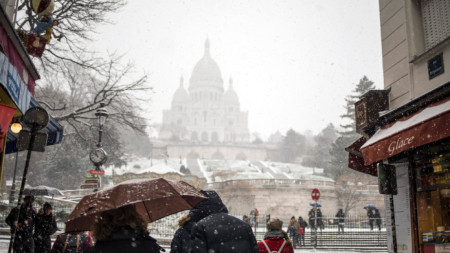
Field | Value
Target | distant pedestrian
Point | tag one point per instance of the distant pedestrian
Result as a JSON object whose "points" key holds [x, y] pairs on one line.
{"points": [[217, 231], [72, 242], [340, 219], [377, 218], [292, 231], [370, 215], [45, 226], [246, 219], [302, 230], [275, 240], [122, 230], [23, 241], [182, 240], [311, 217], [319, 220]]}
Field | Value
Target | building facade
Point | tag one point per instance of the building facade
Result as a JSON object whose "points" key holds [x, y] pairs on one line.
{"points": [[205, 112], [408, 142]]}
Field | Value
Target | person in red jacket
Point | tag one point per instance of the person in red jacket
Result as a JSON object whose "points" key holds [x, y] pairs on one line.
{"points": [[275, 240]]}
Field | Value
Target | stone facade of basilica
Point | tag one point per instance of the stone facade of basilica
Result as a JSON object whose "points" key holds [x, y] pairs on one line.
{"points": [[205, 112]]}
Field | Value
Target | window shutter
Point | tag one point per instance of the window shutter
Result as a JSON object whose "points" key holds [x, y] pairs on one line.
{"points": [[436, 21]]}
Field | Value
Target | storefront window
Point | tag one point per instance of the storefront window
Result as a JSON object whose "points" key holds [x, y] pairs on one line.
{"points": [[433, 203]]}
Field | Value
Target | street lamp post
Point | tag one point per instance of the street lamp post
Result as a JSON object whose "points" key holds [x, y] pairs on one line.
{"points": [[98, 155], [35, 118]]}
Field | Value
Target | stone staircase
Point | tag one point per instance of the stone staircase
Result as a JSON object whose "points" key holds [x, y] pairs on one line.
{"points": [[193, 166], [267, 169]]}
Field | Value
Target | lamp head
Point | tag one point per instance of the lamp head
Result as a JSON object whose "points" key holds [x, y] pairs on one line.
{"points": [[16, 127], [101, 114]]}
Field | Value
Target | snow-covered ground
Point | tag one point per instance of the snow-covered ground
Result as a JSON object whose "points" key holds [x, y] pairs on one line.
{"points": [[222, 170]]}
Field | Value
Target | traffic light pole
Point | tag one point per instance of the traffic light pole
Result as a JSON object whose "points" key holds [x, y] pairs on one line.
{"points": [[315, 227], [394, 233]]}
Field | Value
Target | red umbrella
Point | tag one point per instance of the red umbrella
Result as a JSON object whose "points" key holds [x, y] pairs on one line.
{"points": [[152, 198]]}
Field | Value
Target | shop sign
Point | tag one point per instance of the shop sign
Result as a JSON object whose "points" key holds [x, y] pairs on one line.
{"points": [[435, 66], [97, 172]]}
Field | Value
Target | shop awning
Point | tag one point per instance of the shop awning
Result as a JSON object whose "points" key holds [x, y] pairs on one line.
{"points": [[53, 129], [11, 81], [426, 126], [355, 158]]}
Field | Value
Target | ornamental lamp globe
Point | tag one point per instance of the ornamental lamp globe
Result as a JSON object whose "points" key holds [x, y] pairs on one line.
{"points": [[16, 127], [101, 114]]}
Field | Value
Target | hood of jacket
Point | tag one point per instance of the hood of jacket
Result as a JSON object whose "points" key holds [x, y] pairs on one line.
{"points": [[213, 204]]}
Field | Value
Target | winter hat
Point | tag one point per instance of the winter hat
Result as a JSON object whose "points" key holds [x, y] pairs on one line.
{"points": [[275, 224], [47, 206]]}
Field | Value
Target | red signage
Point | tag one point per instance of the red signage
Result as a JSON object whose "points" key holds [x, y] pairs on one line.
{"points": [[315, 194], [414, 135], [97, 172]]}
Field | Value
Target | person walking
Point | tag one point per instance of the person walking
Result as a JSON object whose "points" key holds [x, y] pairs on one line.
{"points": [[217, 231], [23, 240], [370, 216], [340, 219], [319, 220], [182, 240], [377, 218], [72, 242], [275, 239], [292, 231], [122, 230], [303, 224], [311, 217], [45, 226]]}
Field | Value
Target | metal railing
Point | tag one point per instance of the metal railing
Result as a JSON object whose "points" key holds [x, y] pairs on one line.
{"points": [[357, 235]]}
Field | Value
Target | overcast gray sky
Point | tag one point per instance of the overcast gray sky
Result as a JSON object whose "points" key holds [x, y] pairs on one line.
{"points": [[292, 61]]}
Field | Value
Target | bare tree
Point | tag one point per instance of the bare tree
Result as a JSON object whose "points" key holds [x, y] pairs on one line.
{"points": [[77, 22], [73, 94], [348, 192]]}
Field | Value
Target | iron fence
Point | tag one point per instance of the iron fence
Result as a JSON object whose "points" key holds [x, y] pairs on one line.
{"points": [[357, 235]]}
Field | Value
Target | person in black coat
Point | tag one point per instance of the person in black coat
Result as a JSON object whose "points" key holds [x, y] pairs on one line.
{"points": [[45, 226], [340, 219], [217, 231], [303, 224], [377, 218], [23, 241], [182, 240], [370, 216], [122, 230], [311, 216]]}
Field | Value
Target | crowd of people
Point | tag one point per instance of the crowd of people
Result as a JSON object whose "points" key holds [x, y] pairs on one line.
{"points": [[206, 228]]}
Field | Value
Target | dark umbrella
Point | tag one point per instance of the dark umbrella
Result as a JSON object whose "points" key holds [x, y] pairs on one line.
{"points": [[370, 206], [42, 190], [314, 204], [152, 198]]}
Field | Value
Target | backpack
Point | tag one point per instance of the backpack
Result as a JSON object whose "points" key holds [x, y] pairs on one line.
{"points": [[279, 251], [300, 231], [73, 243]]}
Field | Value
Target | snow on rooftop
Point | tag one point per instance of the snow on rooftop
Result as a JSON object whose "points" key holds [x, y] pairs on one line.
{"points": [[297, 171], [145, 165], [223, 170]]}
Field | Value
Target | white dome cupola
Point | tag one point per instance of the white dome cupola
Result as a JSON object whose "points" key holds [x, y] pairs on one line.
{"points": [[181, 96], [206, 73], [231, 97]]}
